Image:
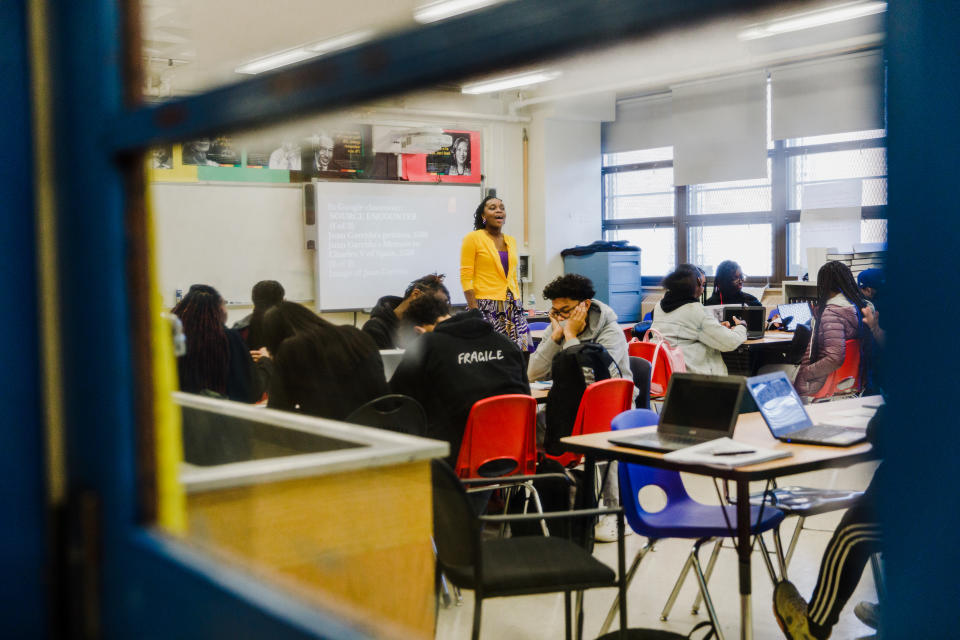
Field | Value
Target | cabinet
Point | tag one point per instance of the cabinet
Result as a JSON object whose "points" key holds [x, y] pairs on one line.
{"points": [[615, 276]]}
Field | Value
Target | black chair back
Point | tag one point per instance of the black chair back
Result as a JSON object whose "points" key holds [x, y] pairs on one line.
{"points": [[798, 346], [393, 412], [455, 525], [640, 369]]}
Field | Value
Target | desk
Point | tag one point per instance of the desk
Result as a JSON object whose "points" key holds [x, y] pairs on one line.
{"points": [[745, 359], [539, 394], [750, 429]]}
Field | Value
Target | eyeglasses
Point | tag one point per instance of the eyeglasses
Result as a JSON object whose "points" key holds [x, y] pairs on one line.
{"points": [[562, 314]]}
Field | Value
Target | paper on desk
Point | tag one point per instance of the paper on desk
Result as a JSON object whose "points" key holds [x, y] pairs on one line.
{"points": [[704, 453], [541, 384], [857, 418]]}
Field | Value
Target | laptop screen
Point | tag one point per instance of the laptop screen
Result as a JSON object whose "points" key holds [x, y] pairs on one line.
{"points": [[701, 402], [755, 317], [798, 311], [779, 403]]}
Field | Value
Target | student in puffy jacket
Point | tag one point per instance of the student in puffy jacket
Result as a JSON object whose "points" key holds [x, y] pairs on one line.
{"points": [[684, 322], [837, 318]]}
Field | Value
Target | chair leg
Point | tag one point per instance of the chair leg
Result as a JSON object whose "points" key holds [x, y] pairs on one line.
{"points": [[476, 615], [608, 621], [695, 609], [579, 612], [878, 580], [535, 495], [766, 560], [695, 558], [508, 493], [676, 588], [566, 616], [781, 559], [793, 540]]}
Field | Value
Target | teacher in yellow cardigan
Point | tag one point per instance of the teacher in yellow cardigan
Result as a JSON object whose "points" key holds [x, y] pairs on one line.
{"points": [[488, 273]]}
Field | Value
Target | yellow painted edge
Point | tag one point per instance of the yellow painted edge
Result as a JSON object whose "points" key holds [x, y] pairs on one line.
{"points": [[46, 228], [171, 501]]}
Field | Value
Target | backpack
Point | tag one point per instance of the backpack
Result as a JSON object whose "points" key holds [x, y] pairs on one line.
{"points": [[572, 371]]}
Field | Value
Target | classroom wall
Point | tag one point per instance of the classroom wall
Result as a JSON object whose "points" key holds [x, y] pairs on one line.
{"points": [[564, 191]]}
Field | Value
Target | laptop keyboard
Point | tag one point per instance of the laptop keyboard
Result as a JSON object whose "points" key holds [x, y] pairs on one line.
{"points": [[818, 432], [678, 441]]}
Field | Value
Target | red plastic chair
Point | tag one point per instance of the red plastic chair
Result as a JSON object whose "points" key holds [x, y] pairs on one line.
{"points": [[628, 333], [500, 438], [844, 381], [601, 403], [500, 441], [660, 371]]}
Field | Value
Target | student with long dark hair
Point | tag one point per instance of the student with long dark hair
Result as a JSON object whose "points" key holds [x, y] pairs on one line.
{"points": [[217, 360], [838, 317], [728, 286], [320, 368], [683, 322], [488, 272], [265, 294]]}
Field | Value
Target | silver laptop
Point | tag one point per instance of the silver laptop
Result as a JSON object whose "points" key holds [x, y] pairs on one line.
{"points": [[797, 312], [697, 408], [787, 419]]}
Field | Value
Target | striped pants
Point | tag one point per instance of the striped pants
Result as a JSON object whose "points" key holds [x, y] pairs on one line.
{"points": [[856, 538]]}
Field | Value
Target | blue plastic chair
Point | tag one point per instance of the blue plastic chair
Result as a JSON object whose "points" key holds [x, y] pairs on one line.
{"points": [[648, 316], [682, 517]]}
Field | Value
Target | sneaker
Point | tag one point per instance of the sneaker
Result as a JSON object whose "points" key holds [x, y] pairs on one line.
{"points": [[790, 610], [606, 528], [868, 613]]}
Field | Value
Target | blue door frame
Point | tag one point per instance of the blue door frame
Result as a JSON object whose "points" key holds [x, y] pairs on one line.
{"points": [[142, 578]]}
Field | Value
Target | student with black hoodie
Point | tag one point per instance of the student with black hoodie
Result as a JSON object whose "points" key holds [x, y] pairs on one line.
{"points": [[728, 286], [457, 361], [385, 326]]}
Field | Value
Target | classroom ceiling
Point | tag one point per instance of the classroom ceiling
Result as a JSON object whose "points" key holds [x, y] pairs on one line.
{"points": [[193, 46]]}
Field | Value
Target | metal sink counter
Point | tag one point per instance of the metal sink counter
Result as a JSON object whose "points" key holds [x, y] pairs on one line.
{"points": [[231, 444], [334, 511]]}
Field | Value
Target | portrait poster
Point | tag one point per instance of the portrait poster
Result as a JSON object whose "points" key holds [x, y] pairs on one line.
{"points": [[459, 162], [161, 157], [211, 152], [336, 152]]}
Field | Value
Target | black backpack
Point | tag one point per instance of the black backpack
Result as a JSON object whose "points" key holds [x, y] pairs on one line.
{"points": [[572, 371]]}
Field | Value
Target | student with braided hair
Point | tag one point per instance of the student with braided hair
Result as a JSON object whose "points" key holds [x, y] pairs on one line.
{"points": [[319, 368], [217, 360], [838, 317]]}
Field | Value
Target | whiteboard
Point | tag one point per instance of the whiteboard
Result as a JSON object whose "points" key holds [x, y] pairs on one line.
{"points": [[231, 236], [373, 239]]}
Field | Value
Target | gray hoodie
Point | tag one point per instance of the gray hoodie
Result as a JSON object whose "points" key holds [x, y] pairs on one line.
{"points": [[601, 328]]}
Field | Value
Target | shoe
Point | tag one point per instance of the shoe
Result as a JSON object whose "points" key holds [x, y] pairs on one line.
{"points": [[868, 613], [606, 528], [790, 610]]}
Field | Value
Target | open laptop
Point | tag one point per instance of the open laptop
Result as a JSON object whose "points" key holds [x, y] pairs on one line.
{"points": [[697, 408], [787, 419], [755, 317], [798, 312]]}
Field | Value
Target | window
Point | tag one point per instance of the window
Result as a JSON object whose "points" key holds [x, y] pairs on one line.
{"points": [[751, 221]]}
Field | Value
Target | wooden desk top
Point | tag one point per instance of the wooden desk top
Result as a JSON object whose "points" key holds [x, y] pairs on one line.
{"points": [[751, 429], [770, 337]]}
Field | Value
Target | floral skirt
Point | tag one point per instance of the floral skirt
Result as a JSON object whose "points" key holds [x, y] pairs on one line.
{"points": [[508, 318]]}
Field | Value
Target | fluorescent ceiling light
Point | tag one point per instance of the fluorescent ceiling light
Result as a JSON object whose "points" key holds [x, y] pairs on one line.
{"points": [[299, 54], [800, 21], [341, 42], [436, 11], [275, 61], [511, 82]]}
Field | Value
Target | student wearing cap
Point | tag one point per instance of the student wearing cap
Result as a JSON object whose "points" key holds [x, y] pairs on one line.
{"points": [[871, 283]]}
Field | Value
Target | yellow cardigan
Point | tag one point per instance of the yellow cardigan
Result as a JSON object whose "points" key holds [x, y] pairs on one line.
{"points": [[481, 269]]}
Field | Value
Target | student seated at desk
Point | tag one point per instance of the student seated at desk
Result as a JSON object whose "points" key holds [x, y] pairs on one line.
{"points": [[576, 317], [871, 283], [457, 361], [838, 317], [728, 286], [386, 324], [265, 295], [217, 360], [320, 369], [855, 539], [684, 322]]}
